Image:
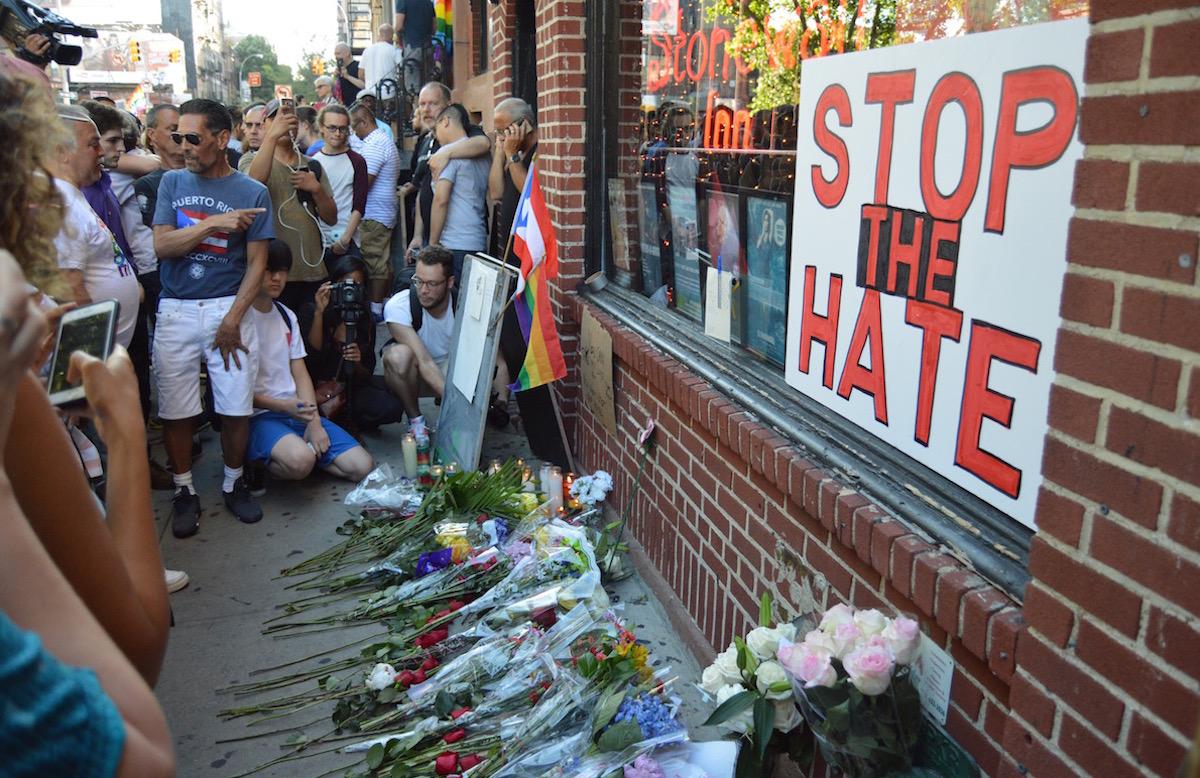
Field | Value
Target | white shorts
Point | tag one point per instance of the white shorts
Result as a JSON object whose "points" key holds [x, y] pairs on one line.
{"points": [[183, 336]]}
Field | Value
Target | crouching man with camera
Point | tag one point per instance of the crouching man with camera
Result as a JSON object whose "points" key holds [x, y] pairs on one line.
{"points": [[286, 432], [340, 337]]}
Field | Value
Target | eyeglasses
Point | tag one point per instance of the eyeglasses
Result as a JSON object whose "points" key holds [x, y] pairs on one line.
{"points": [[191, 137], [423, 284], [341, 130]]}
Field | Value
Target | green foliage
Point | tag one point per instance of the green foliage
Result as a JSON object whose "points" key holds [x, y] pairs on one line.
{"points": [[734, 706], [267, 63], [620, 736]]}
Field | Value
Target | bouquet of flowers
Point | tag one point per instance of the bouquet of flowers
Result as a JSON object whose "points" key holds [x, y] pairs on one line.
{"points": [[754, 694], [852, 680], [592, 489]]}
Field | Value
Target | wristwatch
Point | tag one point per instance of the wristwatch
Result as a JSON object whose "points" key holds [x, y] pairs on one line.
{"points": [[515, 158]]}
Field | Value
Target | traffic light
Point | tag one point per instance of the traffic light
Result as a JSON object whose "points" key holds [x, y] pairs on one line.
{"points": [[318, 66], [174, 55], [135, 51]]}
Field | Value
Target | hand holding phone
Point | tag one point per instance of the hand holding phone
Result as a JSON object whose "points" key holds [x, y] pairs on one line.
{"points": [[91, 329], [111, 390]]}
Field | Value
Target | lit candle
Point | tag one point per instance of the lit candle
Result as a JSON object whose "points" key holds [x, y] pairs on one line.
{"points": [[409, 446], [568, 482], [452, 468], [435, 472], [527, 480], [494, 467], [554, 489]]}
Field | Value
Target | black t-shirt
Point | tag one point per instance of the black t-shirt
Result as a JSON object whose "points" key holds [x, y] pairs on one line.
{"points": [[418, 21], [427, 146], [349, 91], [323, 364], [508, 203], [146, 189]]}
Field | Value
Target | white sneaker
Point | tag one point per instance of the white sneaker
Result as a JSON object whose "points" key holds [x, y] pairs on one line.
{"points": [[176, 580]]}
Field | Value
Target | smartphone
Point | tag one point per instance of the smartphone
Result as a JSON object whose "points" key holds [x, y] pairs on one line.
{"points": [[91, 329], [287, 105]]}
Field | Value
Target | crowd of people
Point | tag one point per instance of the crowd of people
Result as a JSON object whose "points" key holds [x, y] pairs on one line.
{"points": [[253, 251]]}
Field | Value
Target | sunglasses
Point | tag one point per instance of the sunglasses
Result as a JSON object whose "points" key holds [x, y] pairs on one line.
{"points": [[343, 129], [190, 137]]}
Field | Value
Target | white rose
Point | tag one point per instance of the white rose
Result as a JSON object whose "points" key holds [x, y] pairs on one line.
{"points": [[818, 642], [787, 631], [742, 722], [835, 617], [768, 674], [846, 637], [712, 679], [763, 641], [903, 636], [381, 677], [726, 663], [870, 669], [870, 622], [787, 715]]}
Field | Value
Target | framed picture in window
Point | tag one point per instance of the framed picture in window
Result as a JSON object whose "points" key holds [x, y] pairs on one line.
{"points": [[768, 239]]}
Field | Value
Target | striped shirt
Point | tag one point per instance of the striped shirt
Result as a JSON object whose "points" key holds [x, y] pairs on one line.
{"points": [[383, 162]]}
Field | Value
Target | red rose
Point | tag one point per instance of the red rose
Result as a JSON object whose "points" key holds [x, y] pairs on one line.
{"points": [[454, 605], [544, 618], [454, 735], [469, 761], [419, 676], [446, 764], [429, 663], [454, 714], [406, 678]]}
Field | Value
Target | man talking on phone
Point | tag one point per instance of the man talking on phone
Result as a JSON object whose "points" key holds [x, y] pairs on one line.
{"points": [[212, 225]]}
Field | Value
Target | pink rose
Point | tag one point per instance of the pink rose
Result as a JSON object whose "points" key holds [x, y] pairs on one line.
{"points": [[846, 637], [812, 667], [870, 669], [644, 434], [834, 617], [904, 638]]}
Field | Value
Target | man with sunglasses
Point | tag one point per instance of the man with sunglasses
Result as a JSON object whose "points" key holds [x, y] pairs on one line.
{"points": [[211, 229], [415, 360], [346, 171]]}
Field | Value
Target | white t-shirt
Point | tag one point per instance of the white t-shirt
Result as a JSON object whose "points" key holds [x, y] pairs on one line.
{"points": [[85, 243], [434, 333], [339, 171], [277, 347], [383, 162], [378, 62]]}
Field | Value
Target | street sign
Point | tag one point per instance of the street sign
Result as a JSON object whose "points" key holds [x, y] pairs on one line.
{"points": [[245, 92], [283, 92], [254, 78]]}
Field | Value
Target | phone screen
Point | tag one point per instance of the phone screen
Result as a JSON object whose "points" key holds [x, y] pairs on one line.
{"points": [[88, 334]]}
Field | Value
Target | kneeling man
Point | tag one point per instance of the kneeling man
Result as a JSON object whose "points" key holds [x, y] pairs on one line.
{"points": [[287, 432], [421, 322]]}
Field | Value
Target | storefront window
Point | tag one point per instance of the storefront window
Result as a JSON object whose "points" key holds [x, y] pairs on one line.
{"points": [[704, 127]]}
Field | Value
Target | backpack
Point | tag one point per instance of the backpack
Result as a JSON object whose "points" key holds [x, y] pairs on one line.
{"points": [[418, 313]]}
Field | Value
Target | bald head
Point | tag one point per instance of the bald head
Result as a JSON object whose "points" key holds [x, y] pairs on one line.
{"points": [[341, 50], [514, 110], [386, 33]]}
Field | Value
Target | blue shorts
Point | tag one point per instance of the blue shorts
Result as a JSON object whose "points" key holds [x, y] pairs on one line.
{"points": [[267, 429]]}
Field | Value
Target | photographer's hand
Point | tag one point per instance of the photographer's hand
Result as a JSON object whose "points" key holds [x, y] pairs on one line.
{"points": [[351, 353], [36, 44], [321, 298]]}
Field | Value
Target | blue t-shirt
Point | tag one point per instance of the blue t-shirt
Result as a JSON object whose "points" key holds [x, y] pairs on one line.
{"points": [[418, 21], [215, 266], [54, 719]]}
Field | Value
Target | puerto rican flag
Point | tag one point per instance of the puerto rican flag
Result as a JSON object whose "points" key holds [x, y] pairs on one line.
{"points": [[217, 243], [533, 233]]}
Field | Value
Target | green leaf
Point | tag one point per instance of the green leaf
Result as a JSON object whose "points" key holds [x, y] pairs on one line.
{"points": [[620, 736], [443, 704], [588, 665], [387, 695], [764, 725], [607, 708], [734, 706], [779, 687], [375, 756], [399, 770], [764, 610]]}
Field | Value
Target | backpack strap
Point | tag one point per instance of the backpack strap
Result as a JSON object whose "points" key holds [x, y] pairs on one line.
{"points": [[415, 309]]}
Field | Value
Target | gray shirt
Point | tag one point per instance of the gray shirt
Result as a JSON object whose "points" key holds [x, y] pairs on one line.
{"points": [[465, 228]]}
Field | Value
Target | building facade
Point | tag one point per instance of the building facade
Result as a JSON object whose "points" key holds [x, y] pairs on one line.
{"points": [[1061, 581], [200, 25]]}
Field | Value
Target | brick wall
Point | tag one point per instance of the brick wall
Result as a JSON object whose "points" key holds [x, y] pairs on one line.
{"points": [[1096, 671], [1108, 672]]}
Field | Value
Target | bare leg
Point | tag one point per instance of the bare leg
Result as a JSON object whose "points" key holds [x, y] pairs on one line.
{"points": [[177, 440], [378, 289], [235, 434], [353, 465], [501, 380], [291, 459], [402, 377]]}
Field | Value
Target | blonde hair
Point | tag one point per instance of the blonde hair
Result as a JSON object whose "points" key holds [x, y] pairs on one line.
{"points": [[31, 210]]}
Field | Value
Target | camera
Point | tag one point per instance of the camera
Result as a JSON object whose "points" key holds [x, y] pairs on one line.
{"points": [[20, 18], [348, 298]]}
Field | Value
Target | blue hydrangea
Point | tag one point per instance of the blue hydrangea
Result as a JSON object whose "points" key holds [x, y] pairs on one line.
{"points": [[650, 712]]}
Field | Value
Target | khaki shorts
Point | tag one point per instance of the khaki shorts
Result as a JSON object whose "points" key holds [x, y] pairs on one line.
{"points": [[375, 241]]}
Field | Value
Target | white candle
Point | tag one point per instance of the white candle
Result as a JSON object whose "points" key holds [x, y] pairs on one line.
{"points": [[409, 446], [544, 478], [554, 489]]}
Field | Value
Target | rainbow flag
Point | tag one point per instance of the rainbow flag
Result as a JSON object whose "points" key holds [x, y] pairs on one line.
{"points": [[443, 23], [534, 242]]}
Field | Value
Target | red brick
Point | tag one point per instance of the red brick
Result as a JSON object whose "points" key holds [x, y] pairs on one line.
{"points": [[883, 534], [1077, 688], [1004, 630], [1174, 51], [1031, 754], [1171, 449], [1193, 398], [1123, 666], [995, 718], [1175, 640], [1114, 56], [966, 695], [1162, 317], [864, 520], [1048, 615], [1087, 300], [835, 573], [1130, 495], [1184, 524], [904, 552], [1073, 413], [827, 496], [1130, 248], [971, 739], [1153, 748], [926, 570], [951, 588], [813, 479], [978, 607], [1163, 118], [1090, 752], [978, 670], [1172, 187], [750, 497], [1103, 10], [1147, 562], [1140, 374], [1084, 586], [1059, 517], [1031, 704]]}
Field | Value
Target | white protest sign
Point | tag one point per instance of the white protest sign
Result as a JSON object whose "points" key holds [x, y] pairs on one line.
{"points": [[933, 194]]}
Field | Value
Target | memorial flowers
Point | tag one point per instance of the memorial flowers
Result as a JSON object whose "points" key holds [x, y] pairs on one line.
{"points": [[852, 681]]}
